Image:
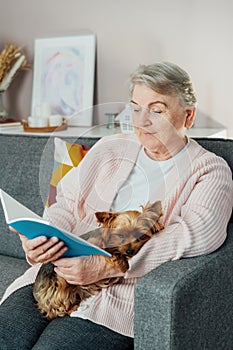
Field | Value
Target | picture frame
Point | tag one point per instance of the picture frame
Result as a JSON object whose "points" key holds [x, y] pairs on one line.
{"points": [[63, 78]]}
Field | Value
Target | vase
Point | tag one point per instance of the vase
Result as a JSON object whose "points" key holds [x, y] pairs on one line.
{"points": [[3, 111]]}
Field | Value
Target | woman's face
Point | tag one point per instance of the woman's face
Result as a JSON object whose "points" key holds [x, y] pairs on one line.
{"points": [[160, 122]]}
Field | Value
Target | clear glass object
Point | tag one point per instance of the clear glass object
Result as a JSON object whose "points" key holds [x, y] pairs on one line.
{"points": [[3, 111], [111, 120]]}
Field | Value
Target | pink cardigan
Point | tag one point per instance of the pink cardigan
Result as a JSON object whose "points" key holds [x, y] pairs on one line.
{"points": [[197, 206]]}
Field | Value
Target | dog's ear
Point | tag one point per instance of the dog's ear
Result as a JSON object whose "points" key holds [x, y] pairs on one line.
{"points": [[155, 207], [104, 216]]}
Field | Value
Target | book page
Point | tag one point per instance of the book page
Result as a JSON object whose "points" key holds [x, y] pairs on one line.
{"points": [[14, 210]]}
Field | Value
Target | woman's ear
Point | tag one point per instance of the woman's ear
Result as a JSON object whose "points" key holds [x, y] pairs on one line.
{"points": [[190, 117]]}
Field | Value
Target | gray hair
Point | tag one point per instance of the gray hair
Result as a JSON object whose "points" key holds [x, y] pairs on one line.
{"points": [[167, 79]]}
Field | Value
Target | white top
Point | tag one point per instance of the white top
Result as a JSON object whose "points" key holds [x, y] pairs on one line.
{"points": [[146, 182]]}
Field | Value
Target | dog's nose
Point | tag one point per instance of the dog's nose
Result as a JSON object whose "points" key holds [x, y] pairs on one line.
{"points": [[130, 252]]}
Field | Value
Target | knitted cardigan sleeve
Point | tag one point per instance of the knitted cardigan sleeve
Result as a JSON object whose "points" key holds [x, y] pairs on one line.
{"points": [[196, 217]]}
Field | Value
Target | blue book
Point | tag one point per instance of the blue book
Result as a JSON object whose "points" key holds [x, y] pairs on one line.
{"points": [[32, 225]]}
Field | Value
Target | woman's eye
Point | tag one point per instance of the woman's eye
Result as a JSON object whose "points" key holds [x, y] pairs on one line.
{"points": [[154, 111], [135, 108]]}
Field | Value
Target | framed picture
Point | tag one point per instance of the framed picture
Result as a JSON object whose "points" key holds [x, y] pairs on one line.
{"points": [[63, 78]]}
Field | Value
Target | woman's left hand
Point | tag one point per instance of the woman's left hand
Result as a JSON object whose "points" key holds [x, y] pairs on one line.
{"points": [[85, 270]]}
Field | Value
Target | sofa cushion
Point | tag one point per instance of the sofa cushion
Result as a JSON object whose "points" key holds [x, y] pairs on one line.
{"points": [[10, 268], [19, 177], [66, 156]]}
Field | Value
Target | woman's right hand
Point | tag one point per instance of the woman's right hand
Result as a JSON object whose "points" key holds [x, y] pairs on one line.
{"points": [[41, 249]]}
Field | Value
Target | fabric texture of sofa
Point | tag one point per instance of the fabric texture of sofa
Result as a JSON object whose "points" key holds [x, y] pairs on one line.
{"points": [[183, 304]]}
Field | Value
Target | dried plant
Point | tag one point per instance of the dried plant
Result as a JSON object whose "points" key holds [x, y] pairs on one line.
{"points": [[11, 61]]}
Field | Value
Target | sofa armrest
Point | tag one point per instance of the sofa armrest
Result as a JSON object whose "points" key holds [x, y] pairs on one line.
{"points": [[187, 304]]}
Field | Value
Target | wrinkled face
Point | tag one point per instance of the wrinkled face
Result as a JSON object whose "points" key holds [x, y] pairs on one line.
{"points": [[160, 121]]}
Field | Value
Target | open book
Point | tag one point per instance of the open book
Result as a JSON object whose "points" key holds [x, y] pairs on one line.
{"points": [[32, 225]]}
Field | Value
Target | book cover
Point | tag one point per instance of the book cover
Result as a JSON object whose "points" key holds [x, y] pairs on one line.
{"points": [[32, 225], [10, 125]]}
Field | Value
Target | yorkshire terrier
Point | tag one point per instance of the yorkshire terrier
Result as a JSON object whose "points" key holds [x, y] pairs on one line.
{"points": [[121, 234]]}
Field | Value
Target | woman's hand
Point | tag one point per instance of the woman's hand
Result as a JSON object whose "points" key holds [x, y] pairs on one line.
{"points": [[41, 249], [85, 270]]}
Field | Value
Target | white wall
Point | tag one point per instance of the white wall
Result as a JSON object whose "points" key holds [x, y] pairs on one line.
{"points": [[194, 34]]}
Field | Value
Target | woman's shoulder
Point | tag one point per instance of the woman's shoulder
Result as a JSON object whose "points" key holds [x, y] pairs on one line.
{"points": [[199, 151], [203, 156]]}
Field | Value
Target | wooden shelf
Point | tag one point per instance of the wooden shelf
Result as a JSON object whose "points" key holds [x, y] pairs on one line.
{"points": [[204, 127]]}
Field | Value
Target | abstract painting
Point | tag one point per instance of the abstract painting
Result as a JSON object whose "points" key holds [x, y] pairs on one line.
{"points": [[64, 77]]}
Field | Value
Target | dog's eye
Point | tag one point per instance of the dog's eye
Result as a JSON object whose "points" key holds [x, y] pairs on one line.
{"points": [[130, 251], [142, 238], [121, 236]]}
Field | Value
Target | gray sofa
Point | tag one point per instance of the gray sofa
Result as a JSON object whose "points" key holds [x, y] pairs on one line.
{"points": [[184, 304]]}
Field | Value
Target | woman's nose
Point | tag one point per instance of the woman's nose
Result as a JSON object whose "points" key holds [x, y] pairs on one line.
{"points": [[143, 118]]}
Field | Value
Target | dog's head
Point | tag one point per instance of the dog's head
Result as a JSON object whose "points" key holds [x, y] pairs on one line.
{"points": [[125, 233]]}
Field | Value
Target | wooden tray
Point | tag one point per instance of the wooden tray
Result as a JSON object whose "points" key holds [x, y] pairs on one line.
{"points": [[27, 128]]}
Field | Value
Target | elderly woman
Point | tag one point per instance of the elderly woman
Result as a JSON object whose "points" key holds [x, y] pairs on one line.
{"points": [[158, 162]]}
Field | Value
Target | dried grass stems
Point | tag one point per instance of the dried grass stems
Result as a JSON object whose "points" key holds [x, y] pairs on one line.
{"points": [[11, 61]]}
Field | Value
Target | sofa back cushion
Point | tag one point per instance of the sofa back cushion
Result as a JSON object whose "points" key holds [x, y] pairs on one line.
{"points": [[26, 166], [66, 156]]}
